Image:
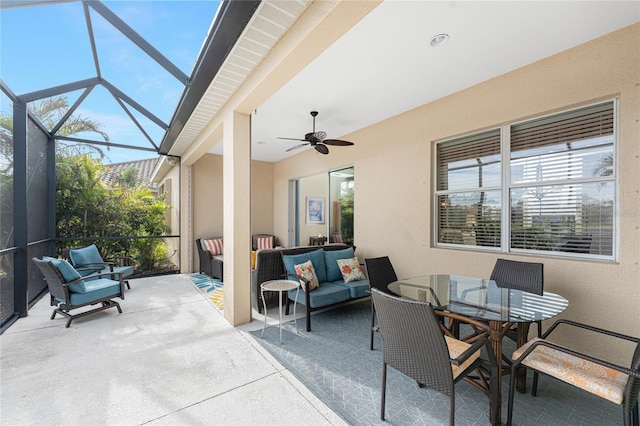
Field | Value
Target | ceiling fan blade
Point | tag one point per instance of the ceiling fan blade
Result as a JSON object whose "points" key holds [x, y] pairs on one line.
{"points": [[322, 149], [296, 147], [293, 139], [337, 142]]}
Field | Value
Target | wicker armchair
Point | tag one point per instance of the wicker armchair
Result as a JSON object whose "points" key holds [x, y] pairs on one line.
{"points": [[380, 273], [210, 264], [414, 344], [616, 383]]}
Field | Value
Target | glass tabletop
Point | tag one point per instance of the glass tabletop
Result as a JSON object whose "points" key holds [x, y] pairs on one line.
{"points": [[480, 298]]}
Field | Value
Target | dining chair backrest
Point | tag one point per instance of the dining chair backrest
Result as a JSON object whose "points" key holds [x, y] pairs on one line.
{"points": [[524, 276], [413, 342], [380, 272]]}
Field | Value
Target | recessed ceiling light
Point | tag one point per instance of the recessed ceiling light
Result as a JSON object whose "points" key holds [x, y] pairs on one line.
{"points": [[439, 40]]}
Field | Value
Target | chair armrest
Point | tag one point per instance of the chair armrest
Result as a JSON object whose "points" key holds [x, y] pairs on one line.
{"points": [[563, 349], [590, 328], [476, 346]]}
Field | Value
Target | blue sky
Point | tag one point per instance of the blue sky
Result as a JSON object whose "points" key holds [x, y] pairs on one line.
{"points": [[46, 46]]}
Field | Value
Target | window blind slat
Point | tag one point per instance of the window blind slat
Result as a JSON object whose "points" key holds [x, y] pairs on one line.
{"points": [[569, 127]]}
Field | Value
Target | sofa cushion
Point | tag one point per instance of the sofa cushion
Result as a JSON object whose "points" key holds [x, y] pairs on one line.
{"points": [[306, 271], [330, 260], [357, 289], [326, 294], [316, 257], [214, 246], [68, 273], [351, 270]]}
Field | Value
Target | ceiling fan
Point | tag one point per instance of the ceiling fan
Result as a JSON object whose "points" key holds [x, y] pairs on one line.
{"points": [[317, 139]]}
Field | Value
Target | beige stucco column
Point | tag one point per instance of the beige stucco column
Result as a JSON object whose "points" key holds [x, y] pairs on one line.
{"points": [[236, 165]]}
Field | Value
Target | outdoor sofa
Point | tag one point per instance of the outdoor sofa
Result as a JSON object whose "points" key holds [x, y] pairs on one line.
{"points": [[332, 290]]}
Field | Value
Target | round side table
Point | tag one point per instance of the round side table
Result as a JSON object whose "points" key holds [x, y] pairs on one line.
{"points": [[280, 286]]}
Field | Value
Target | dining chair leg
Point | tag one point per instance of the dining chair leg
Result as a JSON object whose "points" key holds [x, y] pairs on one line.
{"points": [[512, 385], [534, 386], [384, 390], [452, 409], [373, 323]]}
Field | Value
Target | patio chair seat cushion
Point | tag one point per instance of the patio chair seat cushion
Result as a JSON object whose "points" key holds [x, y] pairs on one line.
{"points": [[96, 289], [326, 294], [456, 348], [597, 379], [331, 260], [68, 273]]}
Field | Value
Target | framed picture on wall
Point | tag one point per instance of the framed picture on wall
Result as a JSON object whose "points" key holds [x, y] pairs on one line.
{"points": [[315, 210]]}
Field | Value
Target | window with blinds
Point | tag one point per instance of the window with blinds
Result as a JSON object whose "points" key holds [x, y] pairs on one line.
{"points": [[468, 186], [559, 189]]}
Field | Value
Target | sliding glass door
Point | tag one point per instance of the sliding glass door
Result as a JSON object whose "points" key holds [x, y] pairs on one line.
{"points": [[322, 208]]}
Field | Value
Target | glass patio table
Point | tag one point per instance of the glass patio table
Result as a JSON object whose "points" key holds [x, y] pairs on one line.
{"points": [[484, 300]]}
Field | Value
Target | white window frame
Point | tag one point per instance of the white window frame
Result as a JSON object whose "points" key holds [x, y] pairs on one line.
{"points": [[506, 186]]}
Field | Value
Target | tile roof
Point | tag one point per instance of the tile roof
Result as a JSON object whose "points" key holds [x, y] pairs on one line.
{"points": [[112, 172]]}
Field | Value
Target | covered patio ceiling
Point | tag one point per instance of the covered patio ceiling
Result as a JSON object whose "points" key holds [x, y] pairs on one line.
{"points": [[385, 64]]}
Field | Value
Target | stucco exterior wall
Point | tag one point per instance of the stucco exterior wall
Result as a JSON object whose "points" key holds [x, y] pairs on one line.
{"points": [[207, 192], [393, 178]]}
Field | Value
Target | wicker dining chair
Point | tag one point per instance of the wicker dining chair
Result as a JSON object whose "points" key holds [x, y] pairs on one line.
{"points": [[380, 273], [524, 276], [613, 382], [414, 344]]}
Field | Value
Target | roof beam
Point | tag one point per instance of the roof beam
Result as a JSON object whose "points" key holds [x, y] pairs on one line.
{"points": [[71, 110], [11, 4], [120, 94], [92, 39], [108, 144], [58, 90], [136, 38]]}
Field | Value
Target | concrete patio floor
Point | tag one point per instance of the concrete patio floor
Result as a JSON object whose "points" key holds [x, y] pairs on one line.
{"points": [[169, 358]]}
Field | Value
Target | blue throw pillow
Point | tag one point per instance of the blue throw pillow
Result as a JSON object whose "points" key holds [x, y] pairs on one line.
{"points": [[331, 261], [68, 273], [86, 256], [316, 257]]}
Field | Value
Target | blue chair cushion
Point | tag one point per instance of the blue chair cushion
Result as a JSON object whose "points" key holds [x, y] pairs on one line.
{"points": [[330, 260], [86, 256], [95, 290], [68, 273], [317, 259], [326, 294], [357, 289]]}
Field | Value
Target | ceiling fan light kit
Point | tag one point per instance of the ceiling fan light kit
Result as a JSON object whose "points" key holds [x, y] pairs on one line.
{"points": [[317, 139]]}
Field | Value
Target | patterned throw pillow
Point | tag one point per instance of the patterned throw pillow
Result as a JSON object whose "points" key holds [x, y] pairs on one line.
{"points": [[215, 246], [264, 243], [306, 271], [351, 270]]}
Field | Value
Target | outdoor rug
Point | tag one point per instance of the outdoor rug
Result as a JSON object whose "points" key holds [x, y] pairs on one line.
{"points": [[335, 363], [211, 286]]}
